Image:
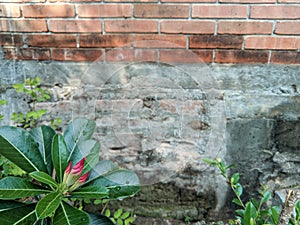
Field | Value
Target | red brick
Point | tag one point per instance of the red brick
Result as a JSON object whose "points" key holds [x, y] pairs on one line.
{"points": [[245, 27], [275, 12], [285, 57], [11, 40], [211, 41], [248, 1], [4, 25], [111, 10], [48, 10], [288, 1], [159, 41], [241, 56], [131, 55], [51, 40], [104, 41], [75, 1], [136, 1], [188, 27], [288, 27], [128, 26], [161, 11], [8, 53], [77, 55], [23, 25], [22, 1], [27, 54], [190, 1], [186, 56], [10, 10], [278, 43], [220, 11], [75, 26]]}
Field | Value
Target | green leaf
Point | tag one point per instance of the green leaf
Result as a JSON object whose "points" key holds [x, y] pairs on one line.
{"points": [[19, 146], [98, 219], [255, 203], [210, 161], [10, 204], [119, 221], [17, 213], [77, 131], [90, 192], [103, 167], [274, 211], [121, 183], [68, 215], [44, 178], [3, 102], [250, 212], [97, 202], [125, 215], [235, 178], [18, 87], [16, 187], [90, 151], [266, 196], [43, 135], [118, 213], [238, 189], [47, 205], [237, 202], [129, 220], [107, 213], [60, 155], [240, 212]]}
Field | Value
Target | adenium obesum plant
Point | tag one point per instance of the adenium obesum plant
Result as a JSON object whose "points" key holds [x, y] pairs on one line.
{"points": [[58, 168]]}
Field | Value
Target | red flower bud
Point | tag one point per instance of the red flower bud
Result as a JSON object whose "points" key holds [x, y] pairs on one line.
{"points": [[84, 177], [68, 169], [78, 168]]}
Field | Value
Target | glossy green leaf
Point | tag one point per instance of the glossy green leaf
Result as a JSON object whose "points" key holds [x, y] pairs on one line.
{"points": [[98, 219], [79, 130], [238, 189], [17, 213], [266, 196], [43, 135], [47, 205], [236, 201], [250, 212], [91, 192], [235, 178], [10, 204], [16, 187], [44, 178], [60, 156], [103, 167], [68, 215], [240, 212], [274, 211], [90, 151], [121, 183], [19, 146], [255, 203]]}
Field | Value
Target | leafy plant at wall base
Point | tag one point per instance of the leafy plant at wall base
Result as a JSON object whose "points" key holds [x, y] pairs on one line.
{"points": [[119, 217], [254, 211], [2, 102], [58, 168], [33, 90]]}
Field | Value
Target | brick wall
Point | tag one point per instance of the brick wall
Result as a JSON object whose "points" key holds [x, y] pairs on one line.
{"points": [[219, 31]]}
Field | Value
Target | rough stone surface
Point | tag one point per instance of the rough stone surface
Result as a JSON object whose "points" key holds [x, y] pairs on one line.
{"points": [[161, 120]]}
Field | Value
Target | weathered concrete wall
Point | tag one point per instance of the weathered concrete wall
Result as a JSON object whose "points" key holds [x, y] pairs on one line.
{"points": [[161, 120]]}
